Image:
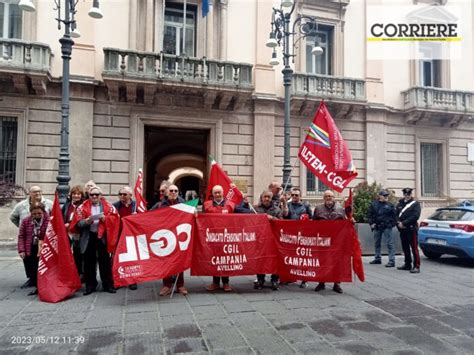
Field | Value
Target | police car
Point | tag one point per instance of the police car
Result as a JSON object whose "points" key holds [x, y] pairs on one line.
{"points": [[450, 230]]}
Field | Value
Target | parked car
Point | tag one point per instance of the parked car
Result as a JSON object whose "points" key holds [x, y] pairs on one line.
{"points": [[449, 230]]}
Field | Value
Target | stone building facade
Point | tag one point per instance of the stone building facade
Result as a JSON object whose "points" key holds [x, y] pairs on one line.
{"points": [[138, 101]]}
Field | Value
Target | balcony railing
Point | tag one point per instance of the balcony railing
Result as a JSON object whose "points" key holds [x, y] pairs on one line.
{"points": [[22, 55], [161, 66], [326, 86], [438, 99]]}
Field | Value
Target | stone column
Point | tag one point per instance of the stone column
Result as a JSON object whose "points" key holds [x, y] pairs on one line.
{"points": [[210, 33], [376, 147], [150, 28], [264, 143], [223, 39]]}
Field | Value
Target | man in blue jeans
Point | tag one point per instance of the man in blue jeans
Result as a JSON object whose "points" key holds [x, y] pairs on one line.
{"points": [[382, 219]]}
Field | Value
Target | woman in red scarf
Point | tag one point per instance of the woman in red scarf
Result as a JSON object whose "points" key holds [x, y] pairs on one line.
{"points": [[95, 220]]}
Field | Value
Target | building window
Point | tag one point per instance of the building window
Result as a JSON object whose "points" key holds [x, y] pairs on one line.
{"points": [[173, 30], [320, 64], [314, 186], [430, 73], [10, 19], [431, 165], [8, 144]]}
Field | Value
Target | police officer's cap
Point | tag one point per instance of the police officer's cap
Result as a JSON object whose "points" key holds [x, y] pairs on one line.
{"points": [[407, 191]]}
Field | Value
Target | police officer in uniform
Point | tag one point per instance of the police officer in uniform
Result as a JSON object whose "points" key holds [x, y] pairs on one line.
{"points": [[408, 212]]}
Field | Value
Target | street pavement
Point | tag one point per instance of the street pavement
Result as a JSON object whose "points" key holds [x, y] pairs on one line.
{"points": [[393, 312]]}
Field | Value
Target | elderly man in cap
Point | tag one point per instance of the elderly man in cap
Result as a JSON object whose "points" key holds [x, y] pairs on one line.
{"points": [[382, 219], [408, 212]]}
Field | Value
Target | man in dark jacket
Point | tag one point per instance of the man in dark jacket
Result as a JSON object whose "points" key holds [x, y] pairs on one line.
{"points": [[273, 212], [297, 209], [382, 219], [330, 210], [408, 212]]}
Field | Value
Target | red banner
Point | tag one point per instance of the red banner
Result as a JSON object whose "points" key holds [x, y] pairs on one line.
{"points": [[154, 245], [219, 177], [57, 273], [229, 245], [325, 152], [314, 250]]}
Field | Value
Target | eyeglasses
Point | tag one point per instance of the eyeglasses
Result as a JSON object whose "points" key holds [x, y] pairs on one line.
{"points": [[36, 192], [94, 194], [173, 190], [295, 195], [123, 194]]}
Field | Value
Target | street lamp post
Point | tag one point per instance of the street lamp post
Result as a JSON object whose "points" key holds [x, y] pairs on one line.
{"points": [[70, 30], [280, 34]]}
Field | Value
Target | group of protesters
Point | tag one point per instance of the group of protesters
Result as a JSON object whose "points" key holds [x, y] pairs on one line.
{"points": [[86, 217]]}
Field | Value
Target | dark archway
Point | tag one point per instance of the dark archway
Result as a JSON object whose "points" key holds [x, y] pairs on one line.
{"points": [[168, 150]]}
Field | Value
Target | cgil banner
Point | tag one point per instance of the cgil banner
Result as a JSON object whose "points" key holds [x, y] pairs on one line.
{"points": [[157, 244], [154, 245], [314, 250], [229, 245]]}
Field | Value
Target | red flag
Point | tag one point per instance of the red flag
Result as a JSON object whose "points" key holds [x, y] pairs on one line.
{"points": [[325, 152], [138, 190], [348, 206], [57, 273], [219, 177], [154, 245], [357, 264]]}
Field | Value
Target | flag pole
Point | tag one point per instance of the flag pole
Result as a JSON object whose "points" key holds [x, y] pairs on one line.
{"points": [[174, 286], [289, 175]]}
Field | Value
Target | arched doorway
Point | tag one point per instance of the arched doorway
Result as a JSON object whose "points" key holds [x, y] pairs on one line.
{"points": [[178, 155]]}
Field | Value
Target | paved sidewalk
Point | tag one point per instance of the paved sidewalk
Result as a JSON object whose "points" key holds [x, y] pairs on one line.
{"points": [[393, 312]]}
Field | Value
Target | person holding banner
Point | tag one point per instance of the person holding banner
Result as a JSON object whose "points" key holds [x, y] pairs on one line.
{"points": [[244, 206], [31, 233], [173, 199], [90, 221], [329, 210], [126, 206], [266, 206], [218, 204], [75, 199], [298, 210]]}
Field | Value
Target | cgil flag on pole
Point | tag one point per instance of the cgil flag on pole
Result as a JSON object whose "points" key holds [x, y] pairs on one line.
{"points": [[138, 190], [57, 273], [325, 152], [219, 177]]}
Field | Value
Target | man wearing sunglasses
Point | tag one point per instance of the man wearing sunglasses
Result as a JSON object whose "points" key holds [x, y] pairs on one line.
{"points": [[173, 198], [298, 210], [126, 206], [89, 221]]}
